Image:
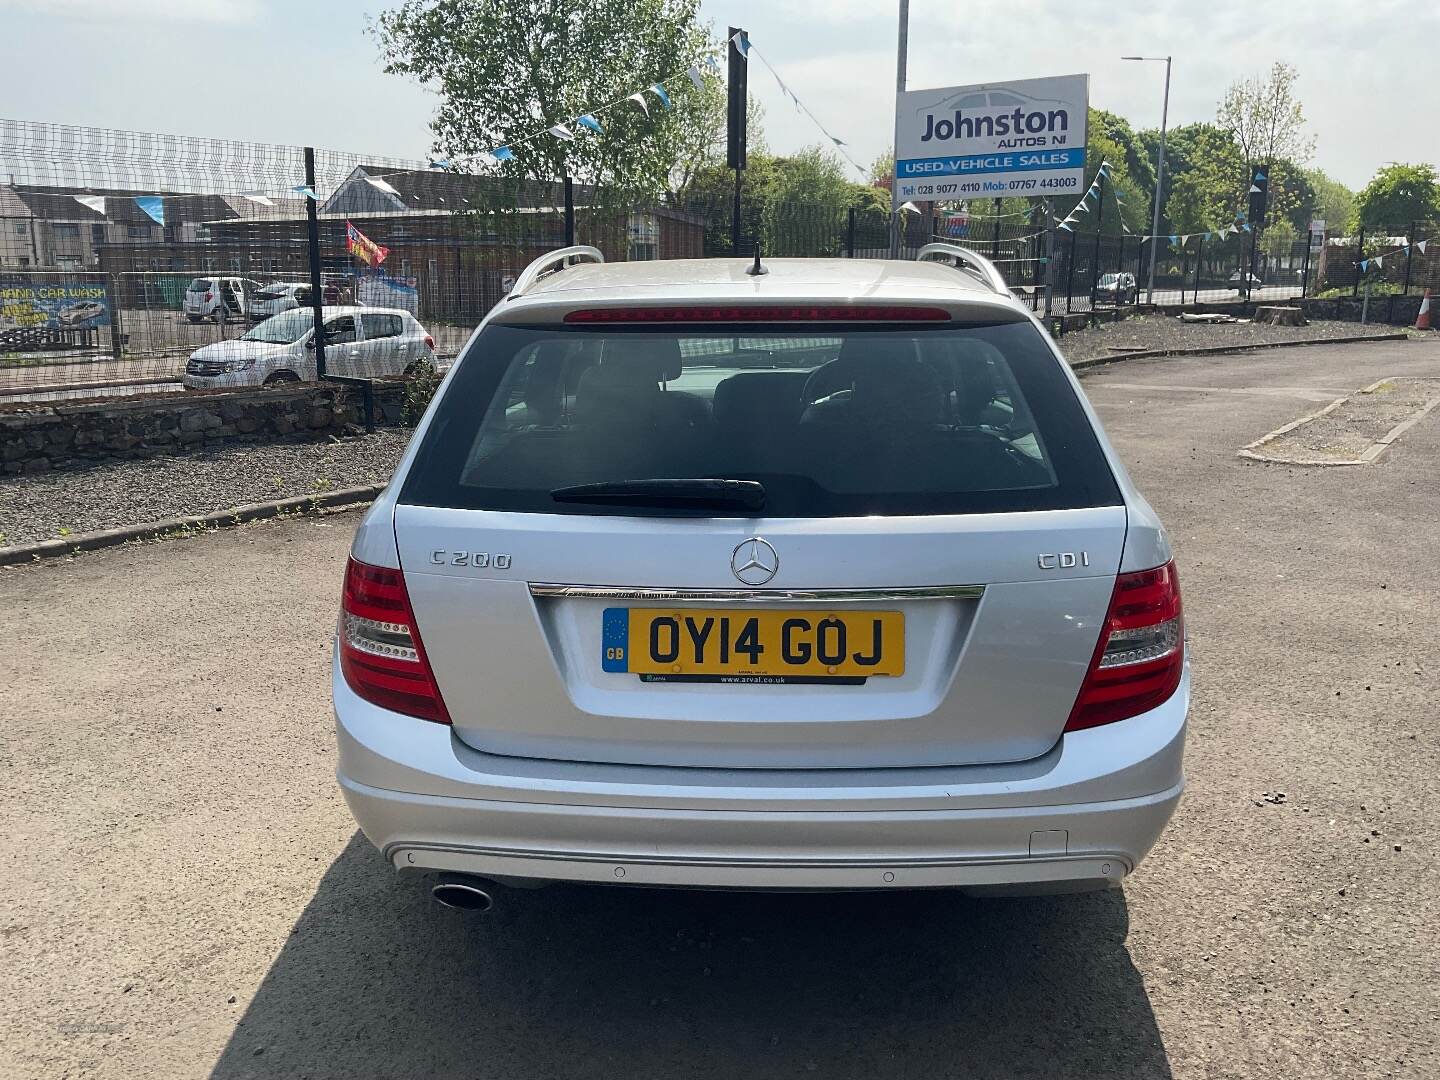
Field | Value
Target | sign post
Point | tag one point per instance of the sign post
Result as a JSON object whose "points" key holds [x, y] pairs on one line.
{"points": [[993, 140]]}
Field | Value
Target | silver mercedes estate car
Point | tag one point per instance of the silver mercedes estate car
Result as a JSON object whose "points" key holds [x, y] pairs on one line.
{"points": [[819, 574]]}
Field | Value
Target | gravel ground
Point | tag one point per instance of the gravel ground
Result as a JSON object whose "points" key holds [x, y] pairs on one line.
{"points": [[133, 492], [1160, 332], [1346, 432]]}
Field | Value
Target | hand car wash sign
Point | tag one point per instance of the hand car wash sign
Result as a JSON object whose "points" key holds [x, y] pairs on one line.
{"points": [[1024, 137]]}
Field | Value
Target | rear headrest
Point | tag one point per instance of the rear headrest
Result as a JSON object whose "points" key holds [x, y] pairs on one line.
{"points": [[658, 356], [759, 399]]}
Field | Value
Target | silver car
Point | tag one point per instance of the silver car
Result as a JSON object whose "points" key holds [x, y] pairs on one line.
{"points": [[824, 577]]}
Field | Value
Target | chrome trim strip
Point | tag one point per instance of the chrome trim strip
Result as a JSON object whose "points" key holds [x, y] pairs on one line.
{"points": [[635, 859], [759, 596]]}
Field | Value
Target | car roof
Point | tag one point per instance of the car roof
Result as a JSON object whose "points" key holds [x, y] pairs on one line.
{"points": [[727, 280]]}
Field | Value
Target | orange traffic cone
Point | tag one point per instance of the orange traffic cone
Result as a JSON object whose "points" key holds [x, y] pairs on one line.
{"points": [[1422, 321]]}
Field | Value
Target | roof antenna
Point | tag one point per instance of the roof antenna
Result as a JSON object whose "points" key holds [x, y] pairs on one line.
{"points": [[756, 270]]}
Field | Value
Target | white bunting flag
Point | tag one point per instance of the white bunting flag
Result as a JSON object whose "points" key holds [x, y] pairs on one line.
{"points": [[910, 206], [1379, 260], [257, 198], [1421, 246], [696, 78], [639, 99], [560, 131], [94, 202], [380, 185]]}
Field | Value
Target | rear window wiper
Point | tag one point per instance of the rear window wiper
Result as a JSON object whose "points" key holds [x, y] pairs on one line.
{"points": [[681, 494]]}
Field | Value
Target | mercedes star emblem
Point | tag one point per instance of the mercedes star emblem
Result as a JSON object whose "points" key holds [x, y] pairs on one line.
{"points": [[754, 561]]}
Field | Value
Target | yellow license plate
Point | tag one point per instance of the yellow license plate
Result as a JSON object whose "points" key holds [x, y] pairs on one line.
{"points": [[738, 645]]}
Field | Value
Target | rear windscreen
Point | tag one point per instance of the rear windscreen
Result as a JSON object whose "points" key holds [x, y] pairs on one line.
{"points": [[833, 422], [200, 284]]}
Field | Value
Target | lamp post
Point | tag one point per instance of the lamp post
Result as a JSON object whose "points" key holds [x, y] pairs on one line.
{"points": [[1159, 174]]}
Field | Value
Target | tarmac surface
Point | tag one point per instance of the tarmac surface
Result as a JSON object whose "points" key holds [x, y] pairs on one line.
{"points": [[185, 894]]}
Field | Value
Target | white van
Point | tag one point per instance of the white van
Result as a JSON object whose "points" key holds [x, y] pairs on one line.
{"points": [[217, 298]]}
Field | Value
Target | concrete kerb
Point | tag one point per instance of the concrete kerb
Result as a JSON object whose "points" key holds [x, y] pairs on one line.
{"points": [[152, 530], [1097, 361]]}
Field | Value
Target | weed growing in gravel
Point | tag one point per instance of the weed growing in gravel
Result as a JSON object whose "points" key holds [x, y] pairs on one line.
{"points": [[419, 389], [62, 532]]}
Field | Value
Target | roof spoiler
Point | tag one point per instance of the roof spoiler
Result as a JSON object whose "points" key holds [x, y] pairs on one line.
{"points": [[552, 262], [966, 260]]}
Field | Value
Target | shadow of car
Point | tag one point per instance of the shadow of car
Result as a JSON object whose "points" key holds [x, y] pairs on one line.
{"points": [[603, 981]]}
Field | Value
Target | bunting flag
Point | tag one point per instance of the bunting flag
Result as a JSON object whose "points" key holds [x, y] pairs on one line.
{"points": [[560, 131], [93, 202], [659, 92], [503, 153], [381, 185], [1364, 264], [439, 163], [362, 247], [153, 205], [639, 99], [1175, 238], [696, 79], [256, 197], [1421, 246], [1066, 226], [838, 142], [1246, 226], [910, 206], [589, 121], [742, 42], [1256, 189], [306, 190]]}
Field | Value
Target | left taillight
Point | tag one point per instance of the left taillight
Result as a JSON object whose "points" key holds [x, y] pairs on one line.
{"points": [[429, 342], [381, 655], [1140, 656]]}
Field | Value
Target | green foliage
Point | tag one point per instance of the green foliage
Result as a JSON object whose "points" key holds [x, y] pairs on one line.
{"points": [[1397, 195], [1265, 120], [504, 69], [1333, 201], [1112, 139], [420, 387], [786, 202]]}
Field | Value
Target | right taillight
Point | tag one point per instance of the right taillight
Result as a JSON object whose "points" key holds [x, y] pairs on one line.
{"points": [[380, 651], [1141, 652]]}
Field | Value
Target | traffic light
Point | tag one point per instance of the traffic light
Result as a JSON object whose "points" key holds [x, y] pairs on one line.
{"points": [[1259, 194]]}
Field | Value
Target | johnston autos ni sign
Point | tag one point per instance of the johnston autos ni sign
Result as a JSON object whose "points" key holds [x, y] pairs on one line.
{"points": [[1024, 137]]}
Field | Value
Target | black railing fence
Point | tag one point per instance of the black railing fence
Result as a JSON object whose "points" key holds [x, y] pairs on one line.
{"points": [[121, 254]]}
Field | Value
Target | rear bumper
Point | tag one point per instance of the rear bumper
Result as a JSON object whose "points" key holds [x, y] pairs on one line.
{"points": [[1082, 816]]}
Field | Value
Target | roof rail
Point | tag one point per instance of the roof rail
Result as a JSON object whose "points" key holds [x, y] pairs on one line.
{"points": [[552, 262], [967, 260]]}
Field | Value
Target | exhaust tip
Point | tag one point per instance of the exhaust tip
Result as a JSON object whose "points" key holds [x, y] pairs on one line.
{"points": [[463, 894]]}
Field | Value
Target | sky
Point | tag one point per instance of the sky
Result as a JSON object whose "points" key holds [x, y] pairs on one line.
{"points": [[307, 71]]}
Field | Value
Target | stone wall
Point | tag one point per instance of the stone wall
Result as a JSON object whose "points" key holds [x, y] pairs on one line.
{"points": [[1392, 310], [36, 438]]}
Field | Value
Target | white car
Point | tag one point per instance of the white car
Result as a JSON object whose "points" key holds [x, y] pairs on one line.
{"points": [[360, 342], [277, 297], [820, 578], [216, 298]]}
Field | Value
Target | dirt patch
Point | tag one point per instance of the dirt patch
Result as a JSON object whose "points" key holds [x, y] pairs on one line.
{"points": [[1354, 430], [1158, 332]]}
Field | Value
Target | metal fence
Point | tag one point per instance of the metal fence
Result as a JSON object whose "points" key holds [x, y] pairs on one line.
{"points": [[108, 288]]}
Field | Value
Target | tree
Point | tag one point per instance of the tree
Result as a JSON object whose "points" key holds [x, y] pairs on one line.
{"points": [[1334, 203], [509, 69], [1267, 123], [1397, 195], [1110, 138]]}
